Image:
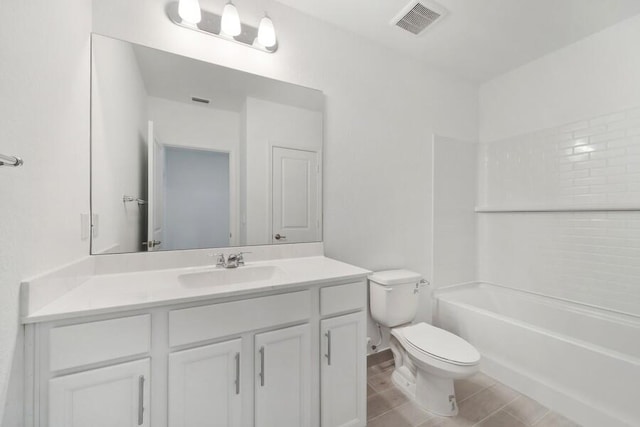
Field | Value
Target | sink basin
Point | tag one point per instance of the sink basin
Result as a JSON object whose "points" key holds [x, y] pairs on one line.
{"points": [[229, 276]]}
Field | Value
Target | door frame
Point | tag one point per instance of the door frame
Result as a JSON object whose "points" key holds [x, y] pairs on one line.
{"points": [[319, 196]]}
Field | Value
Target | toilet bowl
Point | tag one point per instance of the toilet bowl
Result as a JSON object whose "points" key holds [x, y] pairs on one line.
{"points": [[427, 359]]}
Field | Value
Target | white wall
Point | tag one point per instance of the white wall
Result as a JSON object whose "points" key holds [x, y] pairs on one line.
{"points": [[178, 123], [267, 124], [454, 218], [593, 77], [119, 146], [44, 111], [563, 131]]}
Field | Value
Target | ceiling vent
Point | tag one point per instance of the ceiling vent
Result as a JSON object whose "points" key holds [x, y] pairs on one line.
{"points": [[201, 100], [417, 16]]}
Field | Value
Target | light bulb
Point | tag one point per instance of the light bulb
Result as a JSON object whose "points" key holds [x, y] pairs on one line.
{"points": [[230, 20], [189, 11], [266, 32]]}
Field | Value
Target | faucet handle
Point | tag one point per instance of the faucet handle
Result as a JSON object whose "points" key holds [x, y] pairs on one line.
{"points": [[240, 257], [220, 261]]}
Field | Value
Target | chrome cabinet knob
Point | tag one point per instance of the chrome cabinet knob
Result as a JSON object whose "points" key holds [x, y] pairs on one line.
{"points": [[279, 236]]}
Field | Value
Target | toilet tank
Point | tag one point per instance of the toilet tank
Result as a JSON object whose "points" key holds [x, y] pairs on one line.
{"points": [[393, 296]]}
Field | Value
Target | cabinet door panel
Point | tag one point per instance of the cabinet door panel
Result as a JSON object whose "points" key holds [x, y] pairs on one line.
{"points": [[343, 371], [202, 386], [116, 396], [283, 390]]}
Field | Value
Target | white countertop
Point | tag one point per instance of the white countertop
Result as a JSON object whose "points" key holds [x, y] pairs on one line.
{"points": [[107, 293]]}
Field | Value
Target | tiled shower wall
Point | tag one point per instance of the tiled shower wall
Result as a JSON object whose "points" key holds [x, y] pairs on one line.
{"points": [[585, 256]]}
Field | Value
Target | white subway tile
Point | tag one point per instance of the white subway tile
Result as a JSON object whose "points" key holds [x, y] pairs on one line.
{"points": [[574, 126], [590, 131], [609, 118], [616, 134]]}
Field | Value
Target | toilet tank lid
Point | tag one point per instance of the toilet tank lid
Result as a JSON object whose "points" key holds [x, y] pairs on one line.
{"points": [[395, 277]]}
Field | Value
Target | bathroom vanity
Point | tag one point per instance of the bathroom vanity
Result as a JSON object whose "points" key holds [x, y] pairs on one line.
{"points": [[274, 343], [167, 339]]}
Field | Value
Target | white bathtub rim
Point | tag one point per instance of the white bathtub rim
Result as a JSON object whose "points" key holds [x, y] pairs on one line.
{"points": [[577, 306], [553, 397], [564, 338]]}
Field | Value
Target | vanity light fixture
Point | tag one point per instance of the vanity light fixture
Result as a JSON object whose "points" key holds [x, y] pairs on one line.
{"points": [[189, 11], [266, 32], [230, 23], [187, 14]]}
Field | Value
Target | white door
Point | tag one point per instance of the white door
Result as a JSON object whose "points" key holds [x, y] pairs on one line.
{"points": [[343, 371], [283, 389], [155, 187], [116, 396], [295, 196], [204, 386]]}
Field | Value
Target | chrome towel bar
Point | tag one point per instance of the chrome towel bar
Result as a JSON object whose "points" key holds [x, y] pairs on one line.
{"points": [[10, 161]]}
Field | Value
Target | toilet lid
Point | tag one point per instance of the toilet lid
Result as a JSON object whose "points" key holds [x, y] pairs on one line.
{"points": [[441, 344]]}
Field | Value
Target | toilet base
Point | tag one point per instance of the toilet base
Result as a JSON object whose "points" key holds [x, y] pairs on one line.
{"points": [[436, 394], [404, 382]]}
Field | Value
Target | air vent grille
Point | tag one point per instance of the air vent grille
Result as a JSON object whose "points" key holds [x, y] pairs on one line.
{"points": [[201, 100], [418, 18]]}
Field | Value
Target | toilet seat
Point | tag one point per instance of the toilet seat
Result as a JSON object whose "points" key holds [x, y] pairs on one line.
{"points": [[432, 342]]}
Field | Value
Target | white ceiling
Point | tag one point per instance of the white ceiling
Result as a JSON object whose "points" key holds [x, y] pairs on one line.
{"points": [[477, 39]]}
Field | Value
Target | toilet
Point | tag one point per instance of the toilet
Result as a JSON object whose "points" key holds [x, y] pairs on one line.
{"points": [[427, 359]]}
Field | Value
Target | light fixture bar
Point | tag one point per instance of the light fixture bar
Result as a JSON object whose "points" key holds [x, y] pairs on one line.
{"points": [[210, 24]]}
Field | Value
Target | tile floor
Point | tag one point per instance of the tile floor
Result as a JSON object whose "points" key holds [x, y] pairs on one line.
{"points": [[483, 402]]}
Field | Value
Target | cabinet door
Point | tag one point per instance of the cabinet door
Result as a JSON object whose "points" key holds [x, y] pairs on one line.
{"points": [[116, 396], [343, 371], [283, 390], [204, 386]]}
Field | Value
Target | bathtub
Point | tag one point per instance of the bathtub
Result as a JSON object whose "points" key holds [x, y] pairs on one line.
{"points": [[581, 361]]}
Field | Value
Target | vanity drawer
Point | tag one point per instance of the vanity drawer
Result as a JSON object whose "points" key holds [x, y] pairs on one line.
{"points": [[196, 324], [93, 342], [341, 298]]}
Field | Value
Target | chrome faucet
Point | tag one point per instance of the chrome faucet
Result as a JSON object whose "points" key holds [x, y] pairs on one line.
{"points": [[232, 260]]}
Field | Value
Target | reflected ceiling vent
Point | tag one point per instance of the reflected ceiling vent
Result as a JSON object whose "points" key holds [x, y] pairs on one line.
{"points": [[200, 100], [417, 16]]}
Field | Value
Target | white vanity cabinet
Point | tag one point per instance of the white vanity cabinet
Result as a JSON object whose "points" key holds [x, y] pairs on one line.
{"points": [[283, 388], [342, 371], [343, 362], [204, 386], [115, 396], [256, 360]]}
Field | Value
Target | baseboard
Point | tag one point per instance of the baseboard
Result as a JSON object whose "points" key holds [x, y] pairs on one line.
{"points": [[379, 357], [581, 412]]}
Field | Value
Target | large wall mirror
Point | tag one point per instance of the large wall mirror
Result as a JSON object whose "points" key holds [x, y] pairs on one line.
{"points": [[189, 155]]}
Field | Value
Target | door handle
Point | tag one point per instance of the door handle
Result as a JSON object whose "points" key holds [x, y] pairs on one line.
{"points": [[279, 236], [328, 355], [152, 243], [237, 373], [262, 366], [141, 400]]}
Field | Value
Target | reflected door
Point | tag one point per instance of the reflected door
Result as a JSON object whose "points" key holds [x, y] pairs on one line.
{"points": [[295, 193], [155, 186], [197, 199]]}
